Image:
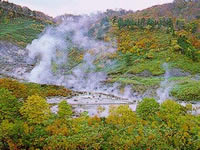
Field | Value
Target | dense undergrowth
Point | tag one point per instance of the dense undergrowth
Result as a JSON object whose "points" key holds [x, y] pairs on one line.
{"points": [[187, 91]]}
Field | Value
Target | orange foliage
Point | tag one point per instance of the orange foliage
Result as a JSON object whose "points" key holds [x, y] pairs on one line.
{"points": [[58, 92], [18, 89], [12, 145], [195, 42]]}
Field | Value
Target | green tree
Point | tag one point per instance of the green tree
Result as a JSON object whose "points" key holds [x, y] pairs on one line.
{"points": [[147, 108], [180, 24], [143, 22], [64, 110], [187, 48], [151, 22], [120, 23], [9, 105], [35, 109]]}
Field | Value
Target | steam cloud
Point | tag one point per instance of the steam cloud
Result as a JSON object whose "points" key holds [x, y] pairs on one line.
{"points": [[53, 40], [44, 47]]}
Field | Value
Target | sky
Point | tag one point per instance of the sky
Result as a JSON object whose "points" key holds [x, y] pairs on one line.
{"points": [[59, 7]]}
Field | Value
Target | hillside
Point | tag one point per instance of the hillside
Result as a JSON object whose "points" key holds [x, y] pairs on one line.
{"points": [[183, 9], [19, 24], [145, 44]]}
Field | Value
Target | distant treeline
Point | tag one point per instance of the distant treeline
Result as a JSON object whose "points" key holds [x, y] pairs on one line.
{"points": [[151, 23]]}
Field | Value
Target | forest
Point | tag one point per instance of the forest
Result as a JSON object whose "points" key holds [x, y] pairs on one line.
{"points": [[27, 123]]}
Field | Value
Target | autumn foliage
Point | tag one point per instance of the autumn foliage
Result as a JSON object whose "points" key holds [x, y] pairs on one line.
{"points": [[30, 124], [21, 90]]}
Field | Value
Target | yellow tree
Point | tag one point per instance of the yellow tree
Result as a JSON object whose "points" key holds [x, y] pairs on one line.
{"points": [[35, 109], [121, 116]]}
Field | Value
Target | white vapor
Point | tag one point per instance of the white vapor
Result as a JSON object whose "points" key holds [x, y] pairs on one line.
{"points": [[44, 49]]}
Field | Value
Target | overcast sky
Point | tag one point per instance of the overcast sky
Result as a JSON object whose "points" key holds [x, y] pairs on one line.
{"points": [[59, 7]]}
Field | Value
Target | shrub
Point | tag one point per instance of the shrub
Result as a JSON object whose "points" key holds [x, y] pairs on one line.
{"points": [[170, 110], [147, 108], [35, 89], [23, 90], [187, 91]]}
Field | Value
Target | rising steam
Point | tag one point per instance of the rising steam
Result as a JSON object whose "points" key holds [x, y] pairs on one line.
{"points": [[165, 85], [44, 48], [53, 40]]}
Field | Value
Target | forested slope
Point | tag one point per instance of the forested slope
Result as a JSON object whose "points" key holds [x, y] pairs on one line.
{"points": [[19, 24]]}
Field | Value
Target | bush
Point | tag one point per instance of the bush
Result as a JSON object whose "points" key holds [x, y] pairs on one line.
{"points": [[35, 89], [172, 107], [47, 90], [147, 108]]}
